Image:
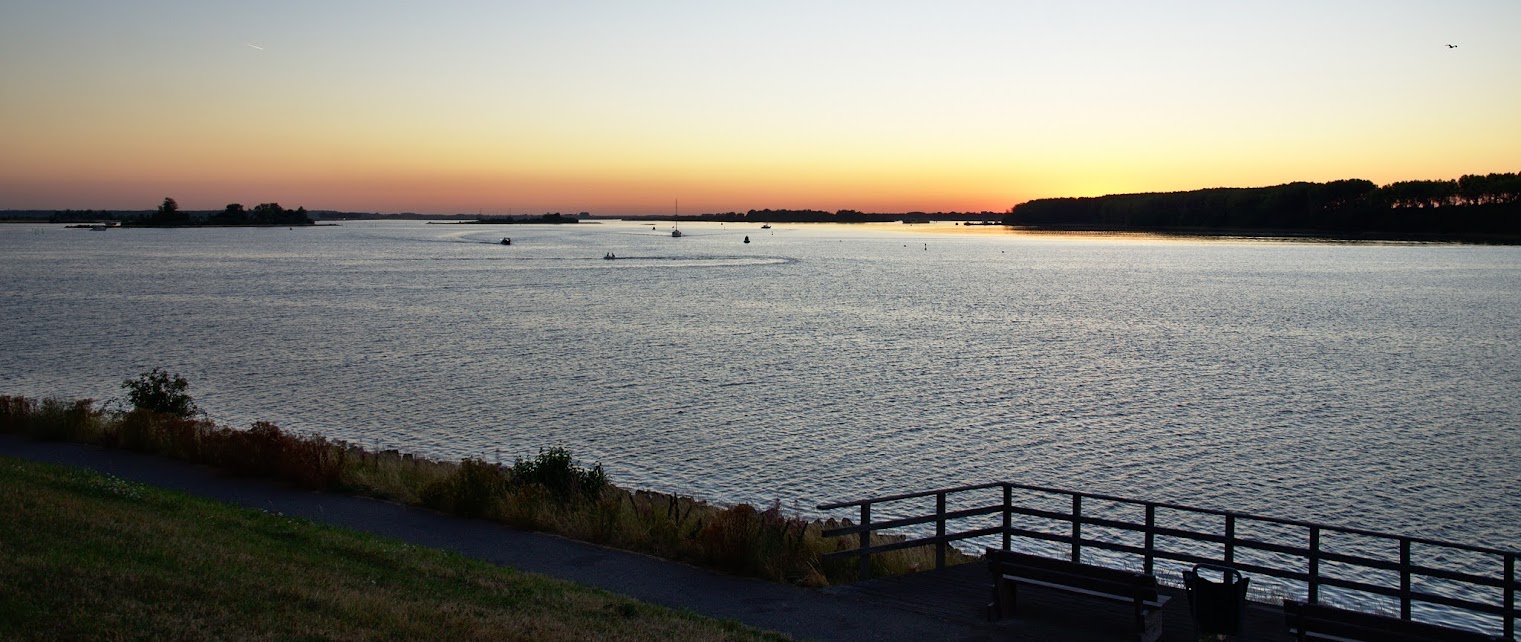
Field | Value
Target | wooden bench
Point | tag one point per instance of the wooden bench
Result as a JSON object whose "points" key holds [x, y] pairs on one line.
{"points": [[1010, 569], [1321, 622]]}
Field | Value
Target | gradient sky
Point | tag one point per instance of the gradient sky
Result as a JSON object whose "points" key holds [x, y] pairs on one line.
{"points": [[623, 107]]}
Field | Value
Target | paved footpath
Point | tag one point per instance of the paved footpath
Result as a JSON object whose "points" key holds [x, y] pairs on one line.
{"points": [[799, 612]]}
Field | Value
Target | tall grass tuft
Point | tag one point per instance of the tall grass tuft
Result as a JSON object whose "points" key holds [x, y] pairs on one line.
{"points": [[66, 420], [473, 489], [16, 414], [549, 492]]}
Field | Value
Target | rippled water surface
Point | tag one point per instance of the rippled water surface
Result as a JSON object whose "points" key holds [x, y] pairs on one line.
{"points": [[1371, 385]]}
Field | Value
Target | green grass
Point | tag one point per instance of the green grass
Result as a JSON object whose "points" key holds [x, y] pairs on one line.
{"points": [[88, 556]]}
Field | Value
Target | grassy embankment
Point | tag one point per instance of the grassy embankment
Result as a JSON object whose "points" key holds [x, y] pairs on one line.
{"points": [[550, 493], [89, 556]]}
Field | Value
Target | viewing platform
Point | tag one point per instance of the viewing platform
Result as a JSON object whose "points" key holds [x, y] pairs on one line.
{"points": [[1342, 573], [960, 594]]}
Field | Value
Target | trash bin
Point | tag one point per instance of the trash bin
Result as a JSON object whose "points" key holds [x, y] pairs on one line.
{"points": [[1218, 606]]}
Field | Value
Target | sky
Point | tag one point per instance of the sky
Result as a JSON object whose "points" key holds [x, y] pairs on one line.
{"points": [[622, 107]]}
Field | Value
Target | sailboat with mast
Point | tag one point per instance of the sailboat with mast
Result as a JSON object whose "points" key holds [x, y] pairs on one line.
{"points": [[675, 221]]}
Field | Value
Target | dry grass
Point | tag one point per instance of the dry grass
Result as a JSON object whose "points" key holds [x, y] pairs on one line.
{"points": [[86, 556], [550, 493]]}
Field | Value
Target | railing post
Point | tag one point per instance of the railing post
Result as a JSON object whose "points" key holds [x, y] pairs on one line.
{"points": [[1077, 528], [940, 530], [1510, 596], [1404, 578], [865, 560], [1230, 540], [1008, 514], [1313, 595], [1151, 536]]}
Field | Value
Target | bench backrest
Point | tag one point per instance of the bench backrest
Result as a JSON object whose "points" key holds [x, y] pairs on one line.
{"points": [[1099, 579], [1356, 625]]}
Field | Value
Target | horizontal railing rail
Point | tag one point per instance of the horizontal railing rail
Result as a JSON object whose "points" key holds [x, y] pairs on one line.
{"points": [[1313, 569]]}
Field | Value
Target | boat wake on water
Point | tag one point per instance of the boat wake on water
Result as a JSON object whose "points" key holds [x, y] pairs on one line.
{"points": [[697, 261]]}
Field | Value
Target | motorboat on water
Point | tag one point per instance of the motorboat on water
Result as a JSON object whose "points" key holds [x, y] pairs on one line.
{"points": [[609, 256]]}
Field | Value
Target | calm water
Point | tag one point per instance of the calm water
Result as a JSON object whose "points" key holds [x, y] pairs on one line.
{"points": [[1372, 385]]}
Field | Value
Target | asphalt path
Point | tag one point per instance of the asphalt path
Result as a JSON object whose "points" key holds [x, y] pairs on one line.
{"points": [[799, 612]]}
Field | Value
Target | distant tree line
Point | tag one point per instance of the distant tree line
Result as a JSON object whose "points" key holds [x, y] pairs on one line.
{"points": [[261, 214], [170, 214], [840, 216], [555, 218], [1474, 205]]}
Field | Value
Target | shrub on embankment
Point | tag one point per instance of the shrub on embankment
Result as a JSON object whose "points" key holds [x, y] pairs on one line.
{"points": [[549, 492]]}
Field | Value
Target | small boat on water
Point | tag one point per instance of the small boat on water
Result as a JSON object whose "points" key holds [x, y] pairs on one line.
{"points": [[747, 239], [609, 256], [766, 226], [506, 241], [675, 222]]}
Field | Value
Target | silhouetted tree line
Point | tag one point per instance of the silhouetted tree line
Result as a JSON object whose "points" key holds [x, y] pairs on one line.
{"points": [[553, 219], [261, 214], [839, 216], [170, 214], [796, 216], [1472, 205], [811, 216]]}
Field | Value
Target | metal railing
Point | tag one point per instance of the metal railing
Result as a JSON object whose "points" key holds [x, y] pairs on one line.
{"points": [[1485, 584]]}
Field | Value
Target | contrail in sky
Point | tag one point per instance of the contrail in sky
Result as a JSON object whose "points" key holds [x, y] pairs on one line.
{"points": [[254, 46]]}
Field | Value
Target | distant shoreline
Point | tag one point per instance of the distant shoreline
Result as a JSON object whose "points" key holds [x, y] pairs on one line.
{"points": [[1287, 235], [936, 226]]}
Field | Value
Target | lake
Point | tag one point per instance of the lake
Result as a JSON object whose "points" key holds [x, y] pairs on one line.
{"points": [[1372, 385]]}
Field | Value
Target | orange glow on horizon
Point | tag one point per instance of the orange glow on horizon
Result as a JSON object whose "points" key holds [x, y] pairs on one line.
{"points": [[543, 108]]}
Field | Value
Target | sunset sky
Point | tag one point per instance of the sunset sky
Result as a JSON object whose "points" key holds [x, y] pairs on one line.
{"points": [[624, 107]]}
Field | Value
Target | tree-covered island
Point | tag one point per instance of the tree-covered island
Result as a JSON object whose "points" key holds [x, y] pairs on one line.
{"points": [[169, 214], [1483, 208], [547, 219]]}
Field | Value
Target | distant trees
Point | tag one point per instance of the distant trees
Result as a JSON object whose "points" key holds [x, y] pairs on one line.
{"points": [[273, 214], [846, 216], [552, 218], [816, 216], [234, 214], [169, 214], [841, 216], [1481, 205], [1490, 189]]}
